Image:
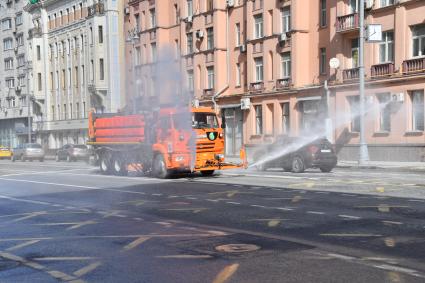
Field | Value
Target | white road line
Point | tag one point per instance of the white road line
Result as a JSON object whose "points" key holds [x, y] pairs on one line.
{"points": [[213, 200], [284, 208], [25, 200], [315, 212], [233, 202], [323, 193], [392, 222], [192, 198], [39, 173], [157, 195], [399, 269], [349, 216], [416, 200], [260, 206], [48, 183]]}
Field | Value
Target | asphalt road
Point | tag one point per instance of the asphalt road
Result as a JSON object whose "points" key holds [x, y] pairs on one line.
{"points": [[64, 222]]}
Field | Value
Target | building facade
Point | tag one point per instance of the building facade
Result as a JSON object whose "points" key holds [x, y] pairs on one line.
{"points": [[15, 74], [264, 65], [77, 63]]}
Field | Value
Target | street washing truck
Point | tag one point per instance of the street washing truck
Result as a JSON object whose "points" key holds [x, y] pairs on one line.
{"points": [[161, 142]]}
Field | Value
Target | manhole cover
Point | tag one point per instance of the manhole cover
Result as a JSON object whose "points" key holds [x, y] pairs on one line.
{"points": [[237, 248]]}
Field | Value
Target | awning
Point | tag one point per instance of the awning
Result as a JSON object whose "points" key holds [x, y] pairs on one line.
{"points": [[306, 98], [229, 106]]}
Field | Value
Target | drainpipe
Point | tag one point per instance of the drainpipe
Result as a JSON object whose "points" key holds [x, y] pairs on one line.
{"points": [[227, 62]]}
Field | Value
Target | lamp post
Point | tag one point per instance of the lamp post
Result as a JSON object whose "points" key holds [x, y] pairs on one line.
{"points": [[363, 151], [29, 99], [132, 38]]}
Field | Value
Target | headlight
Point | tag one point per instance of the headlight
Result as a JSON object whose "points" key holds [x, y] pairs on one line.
{"points": [[219, 156]]}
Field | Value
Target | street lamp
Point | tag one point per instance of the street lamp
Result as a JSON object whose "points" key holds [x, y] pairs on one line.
{"points": [[132, 38], [29, 99]]}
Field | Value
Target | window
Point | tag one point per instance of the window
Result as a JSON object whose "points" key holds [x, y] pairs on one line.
{"points": [[189, 43], [238, 74], [176, 14], [53, 112], [189, 8], [418, 36], [210, 74], [322, 63], [153, 51], [70, 110], [101, 70], [384, 112], [210, 5], [8, 44], [91, 35], [21, 60], [353, 6], [323, 13], [210, 38], [310, 115], [286, 65], [153, 18], [417, 98], [190, 81], [285, 118], [64, 112], [59, 112], [258, 119], [238, 34], [63, 79], [386, 47], [69, 78], [39, 83], [6, 24], [91, 70], [259, 69], [38, 53], [137, 21], [286, 19], [57, 80], [18, 19], [84, 110], [21, 80], [10, 82], [8, 64], [77, 110], [76, 75], [51, 80], [20, 39], [138, 56], [100, 31], [354, 102], [83, 74], [385, 3], [355, 53], [258, 26]]}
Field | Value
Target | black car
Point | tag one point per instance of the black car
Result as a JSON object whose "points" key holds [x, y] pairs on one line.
{"points": [[73, 152], [296, 155]]}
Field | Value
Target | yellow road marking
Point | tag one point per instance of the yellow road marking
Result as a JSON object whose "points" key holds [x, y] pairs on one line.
{"points": [[135, 243], [63, 258], [226, 273], [14, 248], [89, 268], [350, 235], [185, 256]]}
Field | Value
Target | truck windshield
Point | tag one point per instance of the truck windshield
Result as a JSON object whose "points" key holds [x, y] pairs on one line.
{"points": [[204, 120]]}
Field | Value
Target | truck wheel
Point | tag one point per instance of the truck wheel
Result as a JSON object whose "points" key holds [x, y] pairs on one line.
{"points": [[298, 165], [207, 172], [105, 164], [119, 166], [159, 167]]}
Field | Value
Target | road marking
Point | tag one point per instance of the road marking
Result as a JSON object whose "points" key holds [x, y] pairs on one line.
{"points": [[63, 258], [40, 173], [233, 202], [315, 212], [348, 195], [194, 210], [213, 200], [380, 189], [192, 198], [226, 273], [85, 270], [157, 195], [392, 222], [349, 216], [185, 256], [260, 206], [340, 256], [25, 200], [75, 225], [31, 215], [350, 235], [416, 200], [284, 208], [323, 193], [135, 243], [48, 183], [399, 269], [302, 185], [25, 244], [89, 222]]}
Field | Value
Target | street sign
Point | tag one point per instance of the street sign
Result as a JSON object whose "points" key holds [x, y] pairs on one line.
{"points": [[374, 33]]}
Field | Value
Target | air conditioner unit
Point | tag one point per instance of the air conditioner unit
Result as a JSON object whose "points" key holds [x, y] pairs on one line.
{"points": [[245, 103], [283, 37], [15, 49], [397, 97], [230, 3], [199, 34], [127, 10], [189, 19], [368, 4], [242, 48]]}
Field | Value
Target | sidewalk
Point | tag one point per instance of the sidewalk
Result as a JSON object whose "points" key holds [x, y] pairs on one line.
{"points": [[393, 165]]}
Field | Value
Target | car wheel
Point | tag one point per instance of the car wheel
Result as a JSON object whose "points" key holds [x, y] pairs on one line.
{"points": [[298, 165], [207, 173], [326, 169], [119, 166], [105, 163], [22, 158], [159, 167]]}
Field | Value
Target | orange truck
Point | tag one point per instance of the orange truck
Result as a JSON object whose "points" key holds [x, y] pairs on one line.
{"points": [[162, 142]]}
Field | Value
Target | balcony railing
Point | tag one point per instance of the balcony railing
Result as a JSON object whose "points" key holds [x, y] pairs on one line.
{"points": [[283, 83], [347, 22], [381, 70], [256, 87], [416, 65], [350, 74], [209, 92]]}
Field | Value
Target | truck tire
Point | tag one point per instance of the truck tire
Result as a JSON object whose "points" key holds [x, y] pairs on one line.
{"points": [[119, 166], [105, 163], [207, 173], [298, 165], [159, 167]]}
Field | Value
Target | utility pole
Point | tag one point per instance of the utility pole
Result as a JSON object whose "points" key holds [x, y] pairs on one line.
{"points": [[363, 151], [133, 37], [28, 101]]}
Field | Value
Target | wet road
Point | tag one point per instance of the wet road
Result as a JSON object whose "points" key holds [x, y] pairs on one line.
{"points": [[65, 222]]}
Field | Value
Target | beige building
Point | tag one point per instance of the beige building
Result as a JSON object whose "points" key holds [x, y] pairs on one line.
{"points": [[265, 63], [77, 62]]}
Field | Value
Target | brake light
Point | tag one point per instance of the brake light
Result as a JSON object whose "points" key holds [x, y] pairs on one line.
{"points": [[313, 149]]}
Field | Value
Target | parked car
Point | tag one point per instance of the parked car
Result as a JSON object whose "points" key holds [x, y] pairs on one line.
{"points": [[5, 152], [73, 152], [296, 155], [28, 151]]}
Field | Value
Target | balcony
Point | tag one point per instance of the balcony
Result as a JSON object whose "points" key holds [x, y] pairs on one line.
{"points": [[382, 70], [416, 65], [283, 83], [96, 9], [347, 23], [350, 74], [256, 87], [207, 93]]}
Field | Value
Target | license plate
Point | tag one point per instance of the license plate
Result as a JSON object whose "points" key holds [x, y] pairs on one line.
{"points": [[325, 150]]}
